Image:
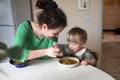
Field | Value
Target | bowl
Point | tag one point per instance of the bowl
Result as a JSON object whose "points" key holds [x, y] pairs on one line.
{"points": [[18, 64], [69, 62], [21, 65]]}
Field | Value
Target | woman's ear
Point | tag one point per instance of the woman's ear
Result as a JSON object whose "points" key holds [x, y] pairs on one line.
{"points": [[44, 26]]}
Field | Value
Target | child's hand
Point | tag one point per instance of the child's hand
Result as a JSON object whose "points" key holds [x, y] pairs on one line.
{"points": [[84, 63]]}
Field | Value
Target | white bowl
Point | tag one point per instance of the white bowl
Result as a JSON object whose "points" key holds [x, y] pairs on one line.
{"points": [[69, 61]]}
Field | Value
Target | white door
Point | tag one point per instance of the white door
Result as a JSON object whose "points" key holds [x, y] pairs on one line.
{"points": [[6, 12], [7, 35]]}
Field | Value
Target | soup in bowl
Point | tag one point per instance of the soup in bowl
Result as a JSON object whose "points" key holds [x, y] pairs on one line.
{"points": [[68, 61]]}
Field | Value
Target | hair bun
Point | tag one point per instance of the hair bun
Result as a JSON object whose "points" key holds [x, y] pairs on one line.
{"points": [[51, 5]]}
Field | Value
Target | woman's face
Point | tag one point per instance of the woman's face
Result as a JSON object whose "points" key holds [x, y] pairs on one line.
{"points": [[74, 47], [50, 33]]}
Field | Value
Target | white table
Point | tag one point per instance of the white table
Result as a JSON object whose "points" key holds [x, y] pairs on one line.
{"points": [[51, 70]]}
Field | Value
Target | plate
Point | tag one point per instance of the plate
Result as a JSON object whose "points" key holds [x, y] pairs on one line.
{"points": [[69, 61]]}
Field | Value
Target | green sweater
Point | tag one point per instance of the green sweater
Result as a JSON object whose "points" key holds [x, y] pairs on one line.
{"points": [[26, 40]]}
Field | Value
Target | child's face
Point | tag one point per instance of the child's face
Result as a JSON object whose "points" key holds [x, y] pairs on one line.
{"points": [[74, 47]]}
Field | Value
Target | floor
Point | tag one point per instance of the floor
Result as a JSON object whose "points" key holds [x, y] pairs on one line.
{"points": [[109, 36], [110, 57]]}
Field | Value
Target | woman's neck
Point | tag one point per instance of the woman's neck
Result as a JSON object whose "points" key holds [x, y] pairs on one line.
{"points": [[36, 30]]}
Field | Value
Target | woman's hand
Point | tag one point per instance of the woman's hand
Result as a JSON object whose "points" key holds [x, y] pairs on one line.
{"points": [[52, 51]]}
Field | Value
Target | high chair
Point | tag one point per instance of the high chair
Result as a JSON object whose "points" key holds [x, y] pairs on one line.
{"points": [[96, 55]]}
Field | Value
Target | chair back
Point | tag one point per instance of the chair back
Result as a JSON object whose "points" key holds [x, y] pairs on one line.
{"points": [[96, 55]]}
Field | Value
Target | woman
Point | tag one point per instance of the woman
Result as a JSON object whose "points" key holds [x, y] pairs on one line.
{"points": [[37, 39]]}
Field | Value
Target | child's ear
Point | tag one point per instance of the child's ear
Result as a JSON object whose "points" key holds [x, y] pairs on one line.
{"points": [[83, 45]]}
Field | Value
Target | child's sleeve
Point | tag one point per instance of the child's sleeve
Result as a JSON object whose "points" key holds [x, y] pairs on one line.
{"points": [[89, 55]]}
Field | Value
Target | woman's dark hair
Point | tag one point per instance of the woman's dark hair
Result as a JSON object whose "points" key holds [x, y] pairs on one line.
{"points": [[51, 15]]}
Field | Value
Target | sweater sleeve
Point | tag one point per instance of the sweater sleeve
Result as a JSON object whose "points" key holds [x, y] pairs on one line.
{"points": [[20, 41]]}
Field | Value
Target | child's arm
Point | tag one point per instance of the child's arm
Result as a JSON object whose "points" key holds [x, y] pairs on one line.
{"points": [[89, 58], [88, 61]]}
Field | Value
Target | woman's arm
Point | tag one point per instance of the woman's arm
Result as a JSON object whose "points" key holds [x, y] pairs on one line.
{"points": [[35, 54], [52, 52]]}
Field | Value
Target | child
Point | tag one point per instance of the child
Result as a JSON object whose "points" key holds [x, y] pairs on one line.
{"points": [[75, 47]]}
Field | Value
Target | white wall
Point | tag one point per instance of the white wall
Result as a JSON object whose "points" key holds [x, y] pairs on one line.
{"points": [[22, 11]]}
